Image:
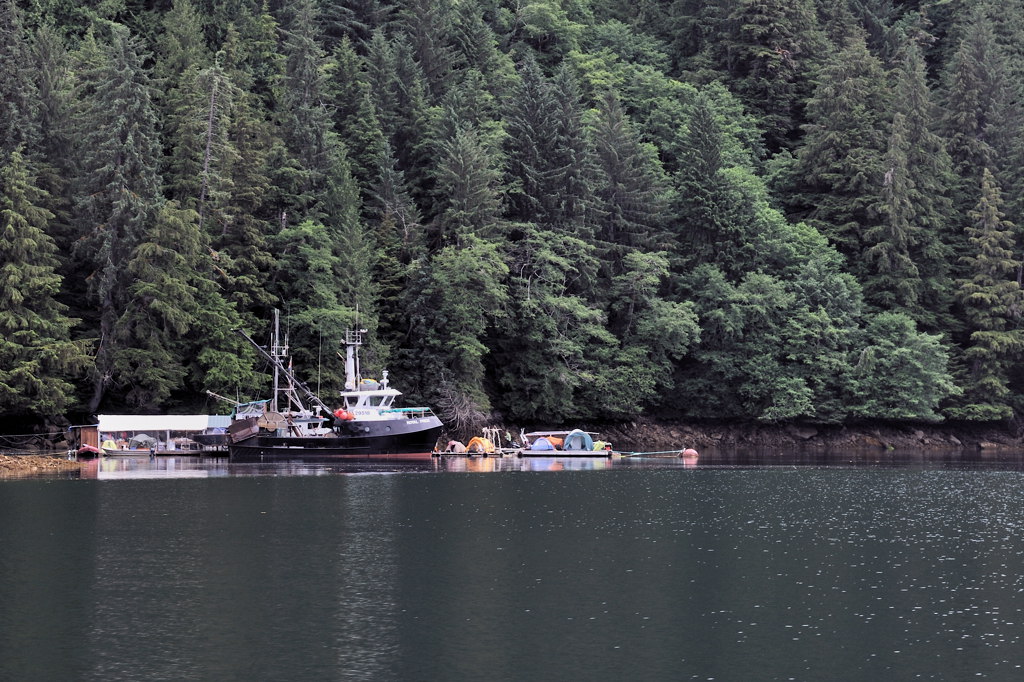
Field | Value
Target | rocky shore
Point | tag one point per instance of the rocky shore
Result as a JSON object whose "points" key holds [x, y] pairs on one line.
{"points": [[942, 440], [29, 465]]}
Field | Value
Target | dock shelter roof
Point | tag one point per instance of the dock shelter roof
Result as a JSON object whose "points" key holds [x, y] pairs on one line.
{"points": [[153, 422]]}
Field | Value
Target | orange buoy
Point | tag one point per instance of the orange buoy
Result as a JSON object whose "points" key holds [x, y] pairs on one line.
{"points": [[689, 452]]}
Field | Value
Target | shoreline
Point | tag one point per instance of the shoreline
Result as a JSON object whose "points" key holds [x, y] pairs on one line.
{"points": [[28, 465], [939, 441]]}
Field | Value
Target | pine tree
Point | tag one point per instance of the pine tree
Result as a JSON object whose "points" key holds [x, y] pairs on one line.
{"points": [[55, 165], [896, 280], [239, 232], [843, 158], [928, 179], [633, 197], [993, 305], [38, 358], [978, 110], [306, 121], [181, 44], [469, 192], [719, 209], [355, 118], [19, 98], [768, 49], [174, 319], [120, 192], [428, 25]]}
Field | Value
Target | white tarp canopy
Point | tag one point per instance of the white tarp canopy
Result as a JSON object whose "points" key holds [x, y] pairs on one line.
{"points": [[153, 422]]}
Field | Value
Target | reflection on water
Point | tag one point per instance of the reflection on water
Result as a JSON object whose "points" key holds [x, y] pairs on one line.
{"points": [[648, 570], [142, 466], [128, 467]]}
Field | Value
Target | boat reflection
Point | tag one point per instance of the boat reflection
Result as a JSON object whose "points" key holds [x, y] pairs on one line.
{"points": [[512, 463], [121, 467], [171, 467]]}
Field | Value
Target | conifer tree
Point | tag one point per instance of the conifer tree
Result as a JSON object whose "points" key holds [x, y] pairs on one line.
{"points": [[469, 192], [530, 137], [900, 373], [553, 322], [38, 358], [400, 242], [19, 98], [400, 100], [459, 294], [181, 44], [241, 240], [928, 181], [56, 166], [428, 25], [979, 110], [843, 158], [175, 322], [306, 120], [896, 280], [993, 305], [119, 194], [769, 48], [719, 207], [633, 196], [355, 117]]}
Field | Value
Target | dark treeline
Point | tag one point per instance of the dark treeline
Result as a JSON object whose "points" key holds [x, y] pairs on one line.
{"points": [[762, 210]]}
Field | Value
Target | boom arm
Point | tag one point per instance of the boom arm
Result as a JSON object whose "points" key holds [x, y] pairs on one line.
{"points": [[312, 397]]}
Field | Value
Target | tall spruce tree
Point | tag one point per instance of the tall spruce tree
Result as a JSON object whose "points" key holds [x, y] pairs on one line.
{"points": [[38, 358], [895, 281], [978, 107], [553, 322], [928, 180], [176, 326], [469, 190], [843, 157], [993, 304], [19, 98], [703, 225], [769, 48], [633, 197], [119, 195]]}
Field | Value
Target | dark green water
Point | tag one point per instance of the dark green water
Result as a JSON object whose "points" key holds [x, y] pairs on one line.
{"points": [[634, 572]]}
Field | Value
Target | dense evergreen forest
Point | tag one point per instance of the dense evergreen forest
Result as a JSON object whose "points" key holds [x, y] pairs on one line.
{"points": [[542, 210]]}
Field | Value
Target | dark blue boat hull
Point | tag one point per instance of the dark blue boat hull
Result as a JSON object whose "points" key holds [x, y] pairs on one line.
{"points": [[411, 439]]}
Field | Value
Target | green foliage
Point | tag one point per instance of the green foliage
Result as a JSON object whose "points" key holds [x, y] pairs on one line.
{"points": [[543, 212], [900, 374], [19, 99], [993, 303], [38, 358], [842, 160], [462, 293]]}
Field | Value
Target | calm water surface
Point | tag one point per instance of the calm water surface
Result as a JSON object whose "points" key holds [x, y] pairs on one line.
{"points": [[549, 570]]}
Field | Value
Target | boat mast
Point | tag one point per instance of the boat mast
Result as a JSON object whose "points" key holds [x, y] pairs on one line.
{"points": [[280, 352], [353, 339], [279, 367]]}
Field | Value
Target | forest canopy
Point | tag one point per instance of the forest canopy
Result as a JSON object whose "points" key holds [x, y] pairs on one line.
{"points": [[542, 210]]}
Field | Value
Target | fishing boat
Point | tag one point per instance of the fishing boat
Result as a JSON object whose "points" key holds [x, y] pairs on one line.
{"points": [[368, 424]]}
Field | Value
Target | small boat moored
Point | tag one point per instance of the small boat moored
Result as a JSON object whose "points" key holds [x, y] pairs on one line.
{"points": [[574, 443]]}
